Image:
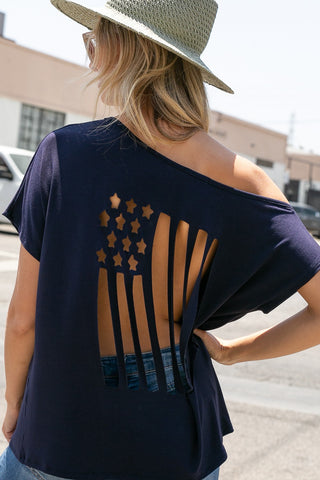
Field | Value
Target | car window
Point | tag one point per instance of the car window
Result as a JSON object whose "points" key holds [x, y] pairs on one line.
{"points": [[21, 160], [306, 211], [3, 166], [309, 212], [298, 209]]}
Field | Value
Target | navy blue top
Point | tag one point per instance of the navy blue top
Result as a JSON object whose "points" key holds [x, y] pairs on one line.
{"points": [[88, 205]]}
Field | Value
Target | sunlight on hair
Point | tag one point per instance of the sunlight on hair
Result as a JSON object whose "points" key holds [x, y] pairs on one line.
{"points": [[138, 76]]}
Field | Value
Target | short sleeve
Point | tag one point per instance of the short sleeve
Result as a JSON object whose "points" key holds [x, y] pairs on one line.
{"points": [[27, 210], [294, 261], [272, 257]]}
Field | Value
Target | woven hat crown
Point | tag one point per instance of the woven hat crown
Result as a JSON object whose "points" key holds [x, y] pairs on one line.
{"points": [[188, 22], [181, 26]]}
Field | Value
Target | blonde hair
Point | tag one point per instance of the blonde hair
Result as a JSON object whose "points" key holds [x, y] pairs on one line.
{"points": [[144, 76]]}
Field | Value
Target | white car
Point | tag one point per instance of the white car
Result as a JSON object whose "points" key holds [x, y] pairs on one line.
{"points": [[13, 165]]}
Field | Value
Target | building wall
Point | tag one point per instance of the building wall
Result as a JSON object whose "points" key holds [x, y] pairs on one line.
{"points": [[248, 138], [304, 170], [9, 121], [42, 81], [304, 188], [76, 118], [253, 142], [277, 173], [300, 164], [38, 79]]}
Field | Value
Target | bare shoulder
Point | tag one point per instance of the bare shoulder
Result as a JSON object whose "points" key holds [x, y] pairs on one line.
{"points": [[255, 180], [225, 166], [207, 156]]}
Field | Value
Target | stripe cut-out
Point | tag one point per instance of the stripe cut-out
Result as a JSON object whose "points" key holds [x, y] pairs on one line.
{"points": [[150, 266]]}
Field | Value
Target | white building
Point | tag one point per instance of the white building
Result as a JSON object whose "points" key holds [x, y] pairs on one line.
{"points": [[39, 93], [304, 183], [262, 146]]}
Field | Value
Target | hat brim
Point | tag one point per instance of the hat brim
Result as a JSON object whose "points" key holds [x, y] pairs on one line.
{"points": [[89, 17]]}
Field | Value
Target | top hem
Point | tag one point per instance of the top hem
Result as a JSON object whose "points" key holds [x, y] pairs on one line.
{"points": [[204, 178], [116, 476]]}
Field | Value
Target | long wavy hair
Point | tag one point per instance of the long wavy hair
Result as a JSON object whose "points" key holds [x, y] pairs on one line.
{"points": [[143, 76]]}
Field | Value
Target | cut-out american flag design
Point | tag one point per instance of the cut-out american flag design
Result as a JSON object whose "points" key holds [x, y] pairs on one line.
{"points": [[124, 234], [150, 268]]}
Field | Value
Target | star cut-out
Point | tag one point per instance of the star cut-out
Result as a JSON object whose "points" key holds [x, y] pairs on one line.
{"points": [[115, 201], [126, 242], [101, 255], [141, 246], [111, 239], [147, 212], [133, 263], [131, 205], [135, 226], [104, 219], [117, 260], [120, 222]]}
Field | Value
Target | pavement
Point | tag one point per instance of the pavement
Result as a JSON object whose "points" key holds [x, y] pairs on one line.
{"points": [[274, 405], [271, 444]]}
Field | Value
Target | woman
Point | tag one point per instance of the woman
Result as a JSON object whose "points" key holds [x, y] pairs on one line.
{"points": [[138, 234]]}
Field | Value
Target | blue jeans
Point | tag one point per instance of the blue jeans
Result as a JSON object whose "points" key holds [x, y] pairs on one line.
{"points": [[12, 469], [110, 370]]}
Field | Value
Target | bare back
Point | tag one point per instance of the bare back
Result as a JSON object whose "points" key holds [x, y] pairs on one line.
{"points": [[206, 156]]}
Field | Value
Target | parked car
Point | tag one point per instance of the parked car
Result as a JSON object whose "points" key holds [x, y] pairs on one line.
{"points": [[309, 216], [13, 165]]}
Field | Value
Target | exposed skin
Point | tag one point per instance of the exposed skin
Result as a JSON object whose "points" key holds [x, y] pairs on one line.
{"points": [[207, 156], [19, 337], [296, 333]]}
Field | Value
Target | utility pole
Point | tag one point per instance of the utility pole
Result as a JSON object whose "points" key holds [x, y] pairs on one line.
{"points": [[2, 17], [291, 128]]}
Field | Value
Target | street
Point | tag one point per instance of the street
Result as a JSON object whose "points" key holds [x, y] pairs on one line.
{"points": [[274, 405]]}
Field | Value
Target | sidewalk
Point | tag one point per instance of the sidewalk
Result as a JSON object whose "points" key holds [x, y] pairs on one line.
{"points": [[271, 444]]}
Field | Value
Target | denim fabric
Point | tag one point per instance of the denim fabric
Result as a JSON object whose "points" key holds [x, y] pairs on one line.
{"points": [[12, 469], [212, 476], [110, 369]]}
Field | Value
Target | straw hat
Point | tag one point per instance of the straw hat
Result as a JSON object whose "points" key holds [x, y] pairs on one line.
{"points": [[183, 27]]}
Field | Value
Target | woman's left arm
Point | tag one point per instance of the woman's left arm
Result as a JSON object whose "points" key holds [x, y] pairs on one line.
{"points": [[299, 332], [19, 336]]}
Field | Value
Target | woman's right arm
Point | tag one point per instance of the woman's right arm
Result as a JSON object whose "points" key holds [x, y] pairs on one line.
{"points": [[299, 332]]}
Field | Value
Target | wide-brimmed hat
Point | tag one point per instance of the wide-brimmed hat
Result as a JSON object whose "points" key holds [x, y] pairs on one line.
{"points": [[183, 27]]}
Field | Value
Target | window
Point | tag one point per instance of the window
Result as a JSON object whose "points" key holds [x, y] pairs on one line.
{"points": [[291, 190], [21, 161], [3, 165], [5, 171], [310, 212], [264, 163], [36, 123]]}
